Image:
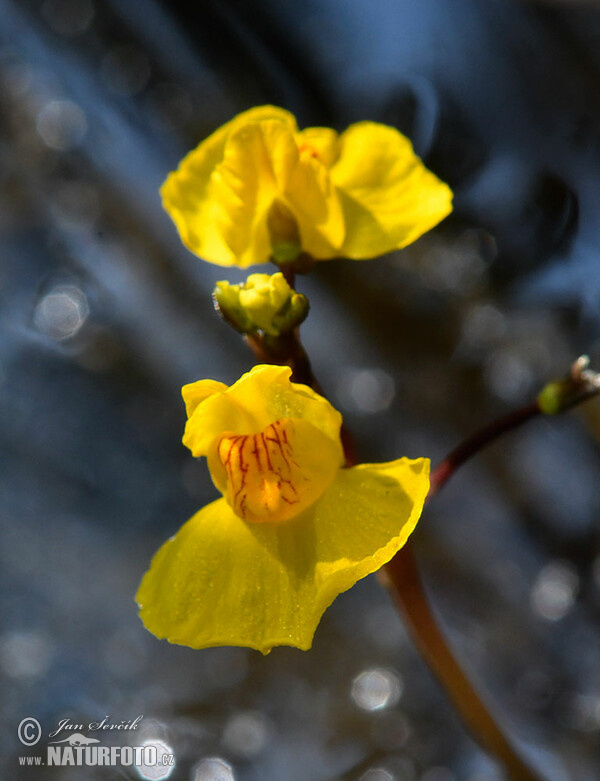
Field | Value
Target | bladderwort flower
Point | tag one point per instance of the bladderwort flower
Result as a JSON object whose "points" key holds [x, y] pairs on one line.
{"points": [[259, 189], [294, 527]]}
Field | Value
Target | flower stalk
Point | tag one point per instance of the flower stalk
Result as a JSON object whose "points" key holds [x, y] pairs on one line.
{"points": [[558, 396], [401, 575], [261, 189], [402, 579]]}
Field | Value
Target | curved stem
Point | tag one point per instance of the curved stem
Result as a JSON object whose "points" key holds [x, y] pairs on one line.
{"points": [[476, 442], [401, 577], [493, 431]]}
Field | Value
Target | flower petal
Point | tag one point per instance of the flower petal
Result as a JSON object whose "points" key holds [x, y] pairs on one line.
{"points": [[243, 186], [321, 143], [188, 196], [262, 163], [312, 196], [196, 392], [221, 581], [259, 398], [363, 519], [389, 197]]}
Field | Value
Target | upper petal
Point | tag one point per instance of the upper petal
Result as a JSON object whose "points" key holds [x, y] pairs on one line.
{"points": [[221, 581], [196, 392], [312, 196], [321, 143], [263, 163], [389, 197], [257, 161], [259, 398], [187, 196]]}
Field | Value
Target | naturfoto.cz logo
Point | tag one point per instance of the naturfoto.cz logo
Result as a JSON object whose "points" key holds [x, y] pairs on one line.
{"points": [[107, 756], [79, 750]]}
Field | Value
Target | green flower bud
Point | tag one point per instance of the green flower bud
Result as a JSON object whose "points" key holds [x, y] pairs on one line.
{"points": [[580, 384], [262, 303], [555, 397]]}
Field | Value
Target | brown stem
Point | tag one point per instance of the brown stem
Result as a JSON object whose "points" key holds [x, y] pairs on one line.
{"points": [[476, 442], [401, 576], [284, 350], [493, 431], [288, 273], [402, 579]]}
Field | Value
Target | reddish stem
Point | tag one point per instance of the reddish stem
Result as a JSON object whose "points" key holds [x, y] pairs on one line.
{"points": [[476, 442], [401, 576]]}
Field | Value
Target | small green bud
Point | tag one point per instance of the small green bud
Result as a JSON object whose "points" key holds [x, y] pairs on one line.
{"points": [[553, 397], [262, 303], [581, 383]]}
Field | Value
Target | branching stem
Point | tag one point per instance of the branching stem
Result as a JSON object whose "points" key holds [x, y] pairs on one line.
{"points": [[401, 575], [476, 442], [402, 579]]}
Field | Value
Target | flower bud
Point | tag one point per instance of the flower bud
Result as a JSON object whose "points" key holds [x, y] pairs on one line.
{"points": [[560, 395], [262, 303]]}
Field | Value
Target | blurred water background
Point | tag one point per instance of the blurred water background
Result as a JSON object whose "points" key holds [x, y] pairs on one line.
{"points": [[104, 315]]}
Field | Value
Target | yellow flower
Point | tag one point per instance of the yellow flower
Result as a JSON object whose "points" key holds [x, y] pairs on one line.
{"points": [[259, 188], [259, 566], [263, 302]]}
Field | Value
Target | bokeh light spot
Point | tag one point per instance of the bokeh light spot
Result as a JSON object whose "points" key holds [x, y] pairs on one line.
{"points": [[25, 654], [483, 325], [61, 125], [555, 590], [508, 375], [377, 774], [246, 734], [61, 313], [213, 769], [366, 390], [162, 768], [376, 689]]}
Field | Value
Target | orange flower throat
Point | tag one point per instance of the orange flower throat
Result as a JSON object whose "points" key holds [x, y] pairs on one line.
{"points": [[266, 481]]}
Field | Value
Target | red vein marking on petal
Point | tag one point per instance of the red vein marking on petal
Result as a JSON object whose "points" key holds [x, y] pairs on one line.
{"points": [[262, 473]]}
